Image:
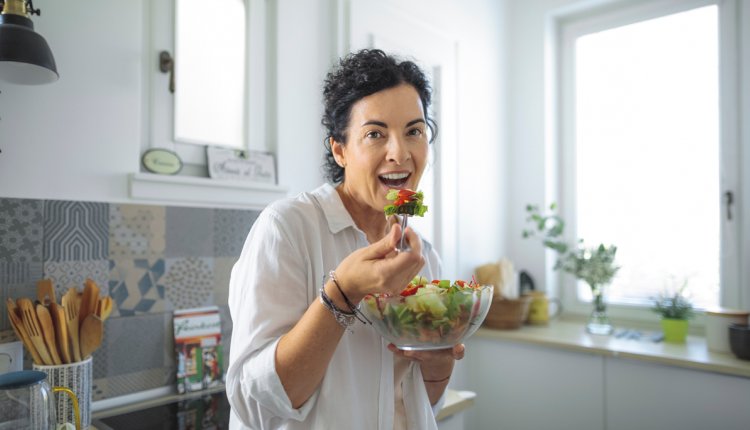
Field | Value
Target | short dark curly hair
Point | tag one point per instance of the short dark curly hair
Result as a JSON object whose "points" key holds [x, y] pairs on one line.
{"points": [[359, 75]]}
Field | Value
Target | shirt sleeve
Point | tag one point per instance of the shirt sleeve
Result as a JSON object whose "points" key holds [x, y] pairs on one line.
{"points": [[267, 296]]}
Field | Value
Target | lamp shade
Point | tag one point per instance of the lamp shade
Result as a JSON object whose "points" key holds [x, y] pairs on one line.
{"points": [[25, 57]]}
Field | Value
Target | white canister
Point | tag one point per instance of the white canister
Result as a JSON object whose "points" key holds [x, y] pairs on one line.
{"points": [[717, 327]]}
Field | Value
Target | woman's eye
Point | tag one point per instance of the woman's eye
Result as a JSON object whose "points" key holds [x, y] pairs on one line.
{"points": [[415, 132], [374, 134]]}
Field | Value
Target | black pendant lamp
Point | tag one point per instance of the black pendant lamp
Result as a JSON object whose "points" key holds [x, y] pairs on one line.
{"points": [[25, 57]]}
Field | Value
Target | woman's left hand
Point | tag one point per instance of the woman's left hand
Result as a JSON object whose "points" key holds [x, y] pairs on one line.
{"points": [[435, 364]]}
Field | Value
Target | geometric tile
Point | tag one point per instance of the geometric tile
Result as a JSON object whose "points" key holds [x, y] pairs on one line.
{"points": [[136, 231], [17, 280], [135, 343], [16, 272], [189, 282], [189, 232], [136, 286], [21, 230], [222, 273], [231, 227], [75, 231], [66, 274]]}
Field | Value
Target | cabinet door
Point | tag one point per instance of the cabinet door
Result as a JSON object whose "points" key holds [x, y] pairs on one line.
{"points": [[644, 395], [521, 386]]}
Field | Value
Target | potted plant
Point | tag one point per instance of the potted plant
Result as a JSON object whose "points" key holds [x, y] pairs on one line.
{"points": [[675, 310], [594, 265]]}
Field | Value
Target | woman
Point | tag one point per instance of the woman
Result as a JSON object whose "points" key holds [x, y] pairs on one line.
{"points": [[299, 358]]}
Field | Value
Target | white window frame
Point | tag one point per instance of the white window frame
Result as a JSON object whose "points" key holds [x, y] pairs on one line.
{"points": [[158, 107], [563, 27]]}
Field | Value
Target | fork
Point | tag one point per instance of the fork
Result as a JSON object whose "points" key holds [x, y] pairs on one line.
{"points": [[70, 305], [404, 221], [35, 332]]}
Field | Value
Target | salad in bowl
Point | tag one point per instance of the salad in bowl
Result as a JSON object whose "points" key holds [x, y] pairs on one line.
{"points": [[429, 314]]}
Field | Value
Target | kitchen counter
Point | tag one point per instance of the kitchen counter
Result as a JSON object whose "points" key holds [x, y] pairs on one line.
{"points": [[179, 411], [571, 335]]}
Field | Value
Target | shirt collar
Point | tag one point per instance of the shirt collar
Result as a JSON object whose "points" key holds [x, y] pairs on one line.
{"points": [[333, 208]]}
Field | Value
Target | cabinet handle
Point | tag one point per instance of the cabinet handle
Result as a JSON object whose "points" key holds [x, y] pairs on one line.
{"points": [[166, 65]]}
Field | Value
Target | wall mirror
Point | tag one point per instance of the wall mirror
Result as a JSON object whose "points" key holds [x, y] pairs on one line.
{"points": [[210, 72]]}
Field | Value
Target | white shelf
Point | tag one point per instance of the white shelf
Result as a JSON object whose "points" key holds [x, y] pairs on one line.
{"points": [[195, 191]]}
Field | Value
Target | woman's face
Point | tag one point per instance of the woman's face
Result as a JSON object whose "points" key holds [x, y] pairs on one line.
{"points": [[386, 145]]}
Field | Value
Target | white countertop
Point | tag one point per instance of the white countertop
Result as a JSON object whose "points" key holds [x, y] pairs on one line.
{"points": [[571, 335]]}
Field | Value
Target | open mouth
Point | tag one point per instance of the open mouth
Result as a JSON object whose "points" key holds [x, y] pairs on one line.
{"points": [[395, 180]]}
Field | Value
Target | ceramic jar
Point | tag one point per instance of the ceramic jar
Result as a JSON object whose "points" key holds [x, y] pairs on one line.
{"points": [[717, 327]]}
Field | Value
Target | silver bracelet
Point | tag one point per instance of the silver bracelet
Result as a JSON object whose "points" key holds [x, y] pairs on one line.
{"points": [[345, 319]]}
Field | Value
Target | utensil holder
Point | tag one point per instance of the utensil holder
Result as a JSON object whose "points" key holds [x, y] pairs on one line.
{"points": [[78, 377]]}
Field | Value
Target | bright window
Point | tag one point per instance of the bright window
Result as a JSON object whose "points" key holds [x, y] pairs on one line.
{"points": [[643, 150]]}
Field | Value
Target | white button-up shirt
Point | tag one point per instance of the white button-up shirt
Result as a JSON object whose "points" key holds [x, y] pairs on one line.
{"points": [[288, 253]]}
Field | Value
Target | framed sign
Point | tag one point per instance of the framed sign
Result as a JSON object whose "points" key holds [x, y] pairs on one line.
{"points": [[254, 166]]}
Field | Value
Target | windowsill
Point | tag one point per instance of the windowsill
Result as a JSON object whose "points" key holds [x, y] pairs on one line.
{"points": [[203, 191], [571, 335]]}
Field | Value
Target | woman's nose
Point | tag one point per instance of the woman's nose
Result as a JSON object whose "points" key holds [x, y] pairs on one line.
{"points": [[397, 150]]}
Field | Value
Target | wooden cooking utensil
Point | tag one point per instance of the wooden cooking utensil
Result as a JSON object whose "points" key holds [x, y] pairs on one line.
{"points": [[61, 332], [104, 308], [20, 329], [88, 301], [31, 323], [48, 332], [45, 292], [92, 332], [70, 305]]}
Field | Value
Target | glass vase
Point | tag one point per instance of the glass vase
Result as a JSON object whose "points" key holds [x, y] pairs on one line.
{"points": [[598, 322]]}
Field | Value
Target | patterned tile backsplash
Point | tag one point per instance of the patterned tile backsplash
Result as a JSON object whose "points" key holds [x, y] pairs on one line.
{"points": [[150, 259]]}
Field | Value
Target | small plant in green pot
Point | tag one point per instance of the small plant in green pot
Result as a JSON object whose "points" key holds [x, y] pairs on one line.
{"points": [[675, 310]]}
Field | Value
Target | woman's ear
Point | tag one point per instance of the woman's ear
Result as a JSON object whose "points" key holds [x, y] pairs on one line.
{"points": [[338, 152]]}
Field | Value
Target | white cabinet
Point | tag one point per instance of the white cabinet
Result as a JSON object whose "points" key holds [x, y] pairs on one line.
{"points": [[643, 395], [521, 386], [527, 386]]}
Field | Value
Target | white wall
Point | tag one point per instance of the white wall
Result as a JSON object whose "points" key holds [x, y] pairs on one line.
{"points": [[78, 137]]}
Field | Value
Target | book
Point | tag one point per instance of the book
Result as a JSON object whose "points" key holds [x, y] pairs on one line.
{"points": [[198, 349]]}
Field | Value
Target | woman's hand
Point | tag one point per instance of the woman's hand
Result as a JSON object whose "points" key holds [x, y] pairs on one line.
{"points": [[436, 366], [379, 268]]}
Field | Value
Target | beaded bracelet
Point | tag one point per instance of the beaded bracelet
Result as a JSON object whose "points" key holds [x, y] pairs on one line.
{"points": [[355, 309], [345, 319]]}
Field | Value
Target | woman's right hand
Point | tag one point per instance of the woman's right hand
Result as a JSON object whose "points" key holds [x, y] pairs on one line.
{"points": [[379, 268]]}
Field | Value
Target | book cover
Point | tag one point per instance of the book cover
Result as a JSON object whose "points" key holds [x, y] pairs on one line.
{"points": [[198, 349]]}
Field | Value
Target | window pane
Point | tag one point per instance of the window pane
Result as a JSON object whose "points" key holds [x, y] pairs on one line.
{"points": [[210, 72], [647, 153]]}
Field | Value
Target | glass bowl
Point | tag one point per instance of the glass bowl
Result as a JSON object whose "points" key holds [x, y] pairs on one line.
{"points": [[434, 319]]}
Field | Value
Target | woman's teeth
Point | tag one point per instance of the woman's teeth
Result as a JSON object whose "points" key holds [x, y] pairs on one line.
{"points": [[394, 179]]}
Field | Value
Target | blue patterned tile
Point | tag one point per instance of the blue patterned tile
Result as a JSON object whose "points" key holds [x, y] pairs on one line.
{"points": [[21, 230], [189, 282], [17, 279], [136, 286], [231, 227], [136, 231], [189, 232], [75, 231]]}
